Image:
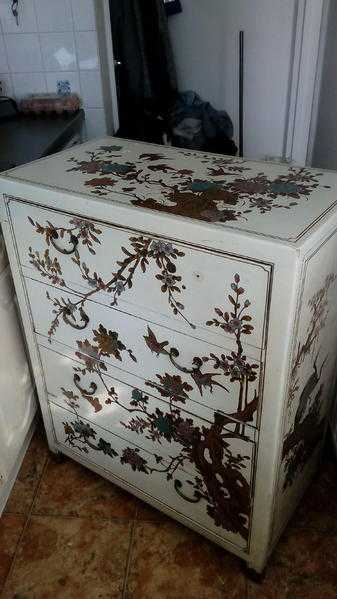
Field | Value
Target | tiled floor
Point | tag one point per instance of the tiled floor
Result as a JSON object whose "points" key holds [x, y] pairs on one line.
{"points": [[67, 533]]}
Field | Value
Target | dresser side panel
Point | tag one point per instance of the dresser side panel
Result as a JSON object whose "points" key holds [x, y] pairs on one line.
{"points": [[311, 379]]}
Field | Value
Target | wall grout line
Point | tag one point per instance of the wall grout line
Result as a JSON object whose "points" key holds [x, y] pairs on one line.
{"points": [[60, 31], [40, 46], [41, 71], [28, 518]]}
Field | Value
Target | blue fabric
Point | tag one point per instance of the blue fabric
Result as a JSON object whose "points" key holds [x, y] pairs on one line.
{"points": [[214, 122]]}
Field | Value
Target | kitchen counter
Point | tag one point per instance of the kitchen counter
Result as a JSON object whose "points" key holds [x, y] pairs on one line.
{"points": [[28, 137]]}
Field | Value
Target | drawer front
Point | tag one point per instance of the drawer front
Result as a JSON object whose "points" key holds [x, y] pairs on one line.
{"points": [[128, 407], [173, 363], [208, 481], [195, 289]]}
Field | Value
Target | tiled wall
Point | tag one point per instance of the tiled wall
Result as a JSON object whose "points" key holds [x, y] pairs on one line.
{"points": [[55, 40]]}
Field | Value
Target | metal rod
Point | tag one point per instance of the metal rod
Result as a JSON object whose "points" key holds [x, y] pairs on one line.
{"points": [[241, 90]]}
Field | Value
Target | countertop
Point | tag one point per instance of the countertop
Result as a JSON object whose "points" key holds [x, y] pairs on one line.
{"points": [[24, 138]]}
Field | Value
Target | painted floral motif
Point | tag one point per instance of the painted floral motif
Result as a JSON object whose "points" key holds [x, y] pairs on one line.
{"points": [[136, 257], [220, 480], [221, 196], [81, 435], [308, 426], [80, 230]]}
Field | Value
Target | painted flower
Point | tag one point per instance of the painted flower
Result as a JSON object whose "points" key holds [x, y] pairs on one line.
{"points": [[115, 168], [168, 281], [240, 368], [108, 342], [213, 215], [71, 398], [284, 188], [106, 448], [163, 424], [69, 431], [83, 429], [200, 185], [233, 326], [89, 354], [89, 167], [256, 186], [186, 431], [137, 396], [160, 248], [175, 385], [263, 204], [100, 181], [79, 222], [131, 456]]}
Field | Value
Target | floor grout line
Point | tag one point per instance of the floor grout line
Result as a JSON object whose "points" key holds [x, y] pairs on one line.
{"points": [[129, 558], [94, 518], [28, 517]]}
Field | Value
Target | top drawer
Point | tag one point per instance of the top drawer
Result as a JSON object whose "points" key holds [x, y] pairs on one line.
{"points": [[193, 288]]}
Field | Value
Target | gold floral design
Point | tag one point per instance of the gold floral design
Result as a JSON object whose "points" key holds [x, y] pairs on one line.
{"points": [[137, 257], [220, 480], [221, 196], [308, 427]]}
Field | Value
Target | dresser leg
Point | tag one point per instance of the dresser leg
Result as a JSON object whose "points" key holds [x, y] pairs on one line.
{"points": [[59, 457], [253, 575]]}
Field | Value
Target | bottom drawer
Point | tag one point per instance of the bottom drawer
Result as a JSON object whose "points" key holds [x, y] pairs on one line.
{"points": [[214, 492]]}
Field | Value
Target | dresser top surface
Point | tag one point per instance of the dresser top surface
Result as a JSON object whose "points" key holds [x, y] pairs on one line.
{"points": [[272, 200]]}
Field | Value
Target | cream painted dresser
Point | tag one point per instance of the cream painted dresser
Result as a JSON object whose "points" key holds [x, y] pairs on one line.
{"points": [[181, 314]]}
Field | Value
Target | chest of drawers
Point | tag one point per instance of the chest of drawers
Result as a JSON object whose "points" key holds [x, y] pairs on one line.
{"points": [[180, 314]]}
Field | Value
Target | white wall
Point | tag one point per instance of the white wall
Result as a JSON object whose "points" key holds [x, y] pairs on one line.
{"points": [[55, 40], [325, 144], [205, 42]]}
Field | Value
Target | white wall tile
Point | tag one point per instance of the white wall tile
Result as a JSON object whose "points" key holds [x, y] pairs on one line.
{"points": [[45, 50], [58, 51], [84, 15], [54, 15], [91, 86], [32, 83], [27, 17], [23, 52], [4, 67], [72, 77], [95, 122], [6, 85], [87, 50]]}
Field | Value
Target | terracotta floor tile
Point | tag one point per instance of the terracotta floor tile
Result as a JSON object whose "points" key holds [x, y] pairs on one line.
{"points": [[147, 513], [70, 558], [302, 567], [318, 509], [171, 562], [69, 489], [11, 526], [22, 495]]}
